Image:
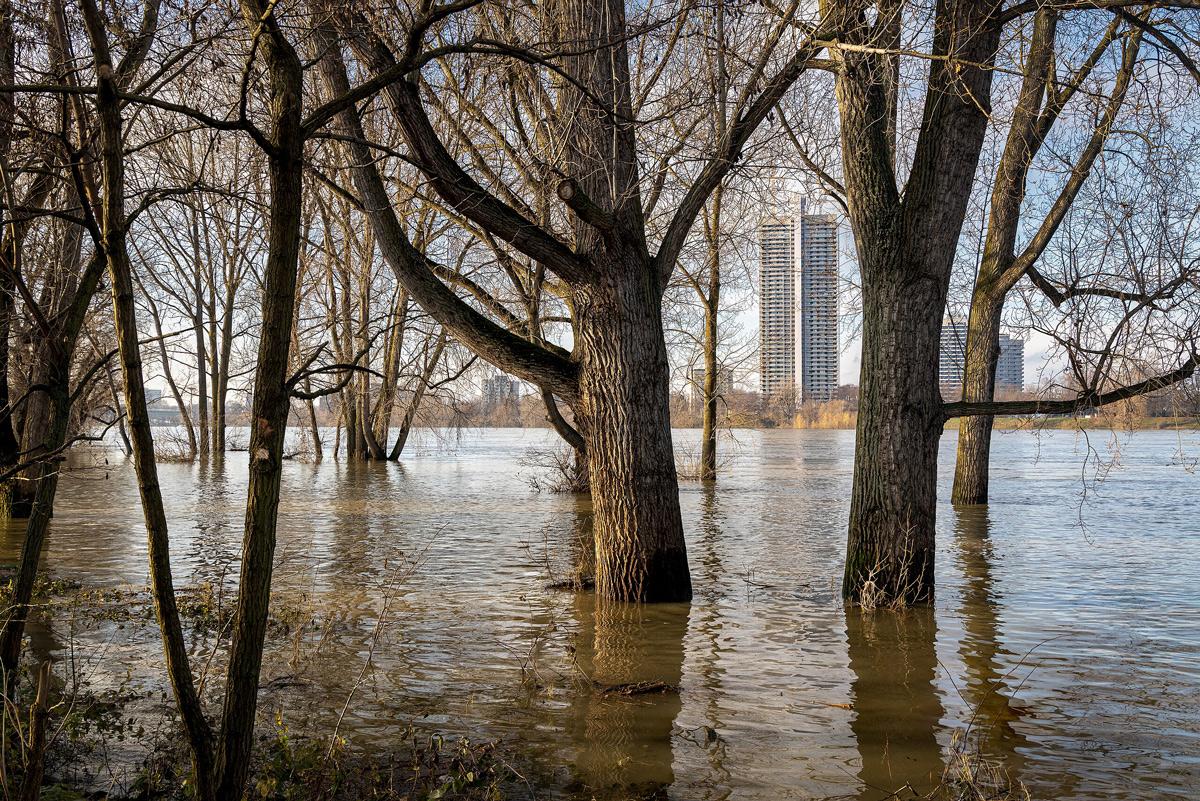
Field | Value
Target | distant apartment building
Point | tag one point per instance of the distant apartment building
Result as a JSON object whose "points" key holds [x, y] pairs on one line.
{"points": [[1010, 367], [777, 307], [696, 383], [500, 390], [798, 306], [952, 360]]}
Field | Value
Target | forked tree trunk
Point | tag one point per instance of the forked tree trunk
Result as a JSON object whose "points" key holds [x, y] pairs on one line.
{"points": [[617, 377], [906, 242], [624, 406], [979, 384], [890, 549]]}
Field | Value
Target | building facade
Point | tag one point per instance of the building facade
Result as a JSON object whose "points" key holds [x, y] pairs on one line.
{"points": [[952, 358], [798, 306], [777, 307], [818, 307], [500, 390], [1010, 367]]}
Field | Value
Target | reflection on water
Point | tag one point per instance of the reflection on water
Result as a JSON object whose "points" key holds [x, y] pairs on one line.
{"points": [[897, 710], [631, 658], [991, 681], [1065, 640]]}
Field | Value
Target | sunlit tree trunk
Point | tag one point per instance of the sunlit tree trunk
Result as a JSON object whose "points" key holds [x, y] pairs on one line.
{"points": [[625, 412], [113, 243], [971, 469]]}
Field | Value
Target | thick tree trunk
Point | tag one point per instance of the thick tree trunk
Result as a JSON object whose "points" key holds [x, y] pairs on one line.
{"points": [[906, 242], [979, 384], [890, 550], [624, 408]]}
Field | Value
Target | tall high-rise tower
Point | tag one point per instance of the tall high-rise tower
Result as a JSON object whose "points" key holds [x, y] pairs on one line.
{"points": [[777, 307], [798, 305], [818, 307]]}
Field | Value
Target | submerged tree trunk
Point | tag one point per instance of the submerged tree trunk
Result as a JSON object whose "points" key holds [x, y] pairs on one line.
{"points": [[906, 241], [708, 437], [414, 403], [979, 384], [1002, 266], [625, 411], [890, 549]]}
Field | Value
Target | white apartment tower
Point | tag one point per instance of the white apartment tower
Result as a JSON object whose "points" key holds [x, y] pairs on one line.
{"points": [[952, 362], [798, 305]]}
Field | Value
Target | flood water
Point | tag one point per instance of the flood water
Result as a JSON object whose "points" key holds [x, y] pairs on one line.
{"points": [[1065, 638]]}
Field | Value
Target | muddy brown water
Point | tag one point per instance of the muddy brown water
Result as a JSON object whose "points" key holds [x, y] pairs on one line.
{"points": [[1065, 639]]}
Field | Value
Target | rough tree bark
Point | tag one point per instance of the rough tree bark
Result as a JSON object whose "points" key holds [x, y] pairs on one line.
{"points": [[906, 245], [272, 396], [616, 380]]}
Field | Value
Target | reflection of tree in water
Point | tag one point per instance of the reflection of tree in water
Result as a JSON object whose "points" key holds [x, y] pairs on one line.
{"points": [[986, 684], [708, 623], [631, 660], [897, 710]]}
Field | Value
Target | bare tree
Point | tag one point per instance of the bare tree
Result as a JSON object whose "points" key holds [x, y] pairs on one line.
{"points": [[616, 378], [907, 235]]}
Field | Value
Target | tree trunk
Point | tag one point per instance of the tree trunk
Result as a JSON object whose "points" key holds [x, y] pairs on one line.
{"points": [[10, 447], [708, 438], [125, 324], [414, 403], [890, 550], [906, 242], [35, 432], [712, 308], [271, 404], [625, 411], [202, 389], [979, 384], [40, 511]]}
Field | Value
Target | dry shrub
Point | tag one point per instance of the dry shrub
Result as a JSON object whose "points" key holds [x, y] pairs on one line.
{"points": [[972, 776], [557, 470], [831, 414]]}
